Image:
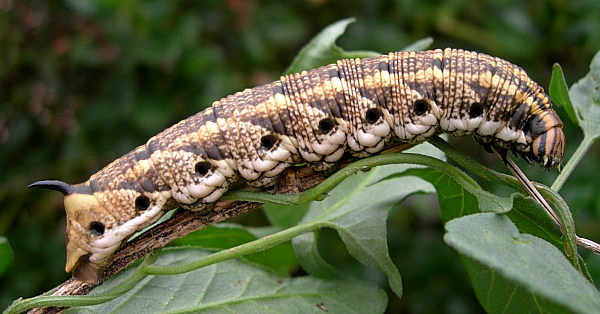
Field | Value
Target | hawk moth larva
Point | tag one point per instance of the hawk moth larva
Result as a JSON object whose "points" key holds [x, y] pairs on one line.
{"points": [[357, 106]]}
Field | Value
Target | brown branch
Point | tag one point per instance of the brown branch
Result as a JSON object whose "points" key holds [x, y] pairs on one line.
{"points": [[293, 180]]}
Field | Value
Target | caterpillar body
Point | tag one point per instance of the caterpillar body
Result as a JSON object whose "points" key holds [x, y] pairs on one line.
{"points": [[357, 106]]}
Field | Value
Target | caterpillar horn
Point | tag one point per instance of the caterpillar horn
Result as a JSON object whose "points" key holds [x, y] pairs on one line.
{"points": [[55, 185]]}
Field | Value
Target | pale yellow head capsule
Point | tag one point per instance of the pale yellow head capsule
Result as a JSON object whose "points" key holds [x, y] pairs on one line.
{"points": [[95, 230]]}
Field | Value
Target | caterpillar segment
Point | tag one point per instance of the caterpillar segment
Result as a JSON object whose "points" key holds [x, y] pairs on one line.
{"points": [[358, 106]]}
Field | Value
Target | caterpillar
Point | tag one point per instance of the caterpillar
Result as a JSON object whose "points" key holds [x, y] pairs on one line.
{"points": [[355, 105]]}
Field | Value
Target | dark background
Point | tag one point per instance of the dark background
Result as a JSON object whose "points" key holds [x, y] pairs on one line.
{"points": [[83, 82]]}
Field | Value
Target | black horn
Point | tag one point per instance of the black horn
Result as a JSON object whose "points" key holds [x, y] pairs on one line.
{"points": [[55, 185]]}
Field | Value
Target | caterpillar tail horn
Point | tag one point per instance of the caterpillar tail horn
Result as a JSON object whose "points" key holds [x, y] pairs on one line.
{"points": [[62, 187]]}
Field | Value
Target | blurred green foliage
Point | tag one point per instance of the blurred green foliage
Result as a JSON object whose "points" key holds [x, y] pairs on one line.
{"points": [[84, 81]]}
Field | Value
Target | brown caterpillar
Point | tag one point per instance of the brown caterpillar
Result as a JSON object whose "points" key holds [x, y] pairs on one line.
{"points": [[357, 105]]}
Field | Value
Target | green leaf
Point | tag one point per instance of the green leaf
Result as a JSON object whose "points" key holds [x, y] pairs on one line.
{"points": [[358, 210], [221, 236], [530, 217], [560, 92], [280, 259], [447, 186], [6, 254], [500, 295], [237, 287], [454, 200], [306, 249], [285, 216], [419, 45], [322, 49], [525, 260], [585, 95]]}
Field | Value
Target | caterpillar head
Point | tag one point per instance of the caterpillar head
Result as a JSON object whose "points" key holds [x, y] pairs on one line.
{"points": [[548, 139], [549, 147], [94, 232]]}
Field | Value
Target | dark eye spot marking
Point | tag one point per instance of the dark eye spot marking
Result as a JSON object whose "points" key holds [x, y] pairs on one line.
{"points": [[142, 202], [373, 115], [326, 125], [96, 228], [421, 107], [268, 141], [202, 168], [476, 110]]}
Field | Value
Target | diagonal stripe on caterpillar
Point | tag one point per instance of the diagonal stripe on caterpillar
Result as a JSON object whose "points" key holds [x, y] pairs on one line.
{"points": [[357, 106]]}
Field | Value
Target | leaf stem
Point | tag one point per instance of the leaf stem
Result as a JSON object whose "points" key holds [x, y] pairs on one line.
{"points": [[255, 246], [583, 147], [319, 191]]}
